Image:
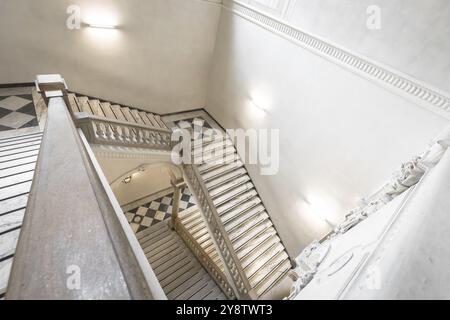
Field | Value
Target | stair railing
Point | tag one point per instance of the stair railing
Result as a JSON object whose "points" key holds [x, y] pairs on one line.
{"points": [[99, 130], [233, 269], [74, 244], [211, 267]]}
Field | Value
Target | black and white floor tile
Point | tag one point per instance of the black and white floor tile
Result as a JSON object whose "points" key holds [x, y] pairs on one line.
{"points": [[157, 210], [17, 110], [188, 124]]}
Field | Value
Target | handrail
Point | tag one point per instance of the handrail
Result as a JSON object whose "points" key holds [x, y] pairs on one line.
{"points": [[233, 269], [204, 258], [121, 133], [70, 245], [82, 116]]}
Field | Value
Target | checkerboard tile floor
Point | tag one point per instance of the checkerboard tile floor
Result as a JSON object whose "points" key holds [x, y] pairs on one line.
{"points": [[188, 124], [17, 111], [157, 210]]}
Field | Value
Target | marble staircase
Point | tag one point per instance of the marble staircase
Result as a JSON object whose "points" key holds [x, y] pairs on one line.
{"points": [[244, 218]]}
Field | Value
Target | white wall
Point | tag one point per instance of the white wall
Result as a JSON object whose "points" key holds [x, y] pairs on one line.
{"points": [[154, 179], [158, 58], [414, 35], [341, 135]]}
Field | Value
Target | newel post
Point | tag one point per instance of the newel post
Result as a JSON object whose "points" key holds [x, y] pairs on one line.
{"points": [[178, 186]]}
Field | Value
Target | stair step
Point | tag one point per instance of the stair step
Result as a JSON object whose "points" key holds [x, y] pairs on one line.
{"points": [[15, 190], [259, 263], [8, 242], [267, 268], [154, 240], [241, 213], [32, 139], [201, 294], [226, 180], [17, 169], [259, 250], [137, 117], [5, 154], [117, 110], [153, 257], [83, 105], [221, 157], [159, 245], [249, 234], [5, 269], [252, 244], [13, 204], [200, 233], [19, 156], [11, 220], [160, 122], [173, 279], [167, 260], [197, 227], [190, 287], [18, 146], [205, 168], [178, 263], [128, 116], [191, 223], [16, 179], [230, 194], [151, 231], [246, 225], [107, 110], [96, 108], [218, 172], [73, 103], [20, 137], [273, 278], [152, 119], [236, 201], [14, 163]]}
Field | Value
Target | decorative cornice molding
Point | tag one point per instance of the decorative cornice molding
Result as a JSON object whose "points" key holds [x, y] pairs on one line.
{"points": [[420, 93]]}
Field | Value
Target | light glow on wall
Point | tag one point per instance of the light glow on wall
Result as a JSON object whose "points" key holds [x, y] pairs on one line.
{"points": [[102, 26], [322, 208]]}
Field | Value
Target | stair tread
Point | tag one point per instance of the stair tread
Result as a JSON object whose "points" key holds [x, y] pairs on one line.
{"points": [[17, 169], [18, 162], [191, 286], [16, 179], [273, 277], [20, 137], [15, 190], [32, 139], [13, 204], [6, 153], [19, 156]]}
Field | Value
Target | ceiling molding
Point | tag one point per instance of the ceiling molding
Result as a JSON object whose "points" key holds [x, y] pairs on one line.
{"points": [[420, 93]]}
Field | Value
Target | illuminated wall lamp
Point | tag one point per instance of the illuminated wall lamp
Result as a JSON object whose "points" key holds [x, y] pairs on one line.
{"points": [[258, 106], [102, 26], [127, 179]]}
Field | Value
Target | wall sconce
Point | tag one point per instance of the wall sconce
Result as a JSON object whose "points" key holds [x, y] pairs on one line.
{"points": [[127, 179], [321, 211], [258, 106], [102, 26]]}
